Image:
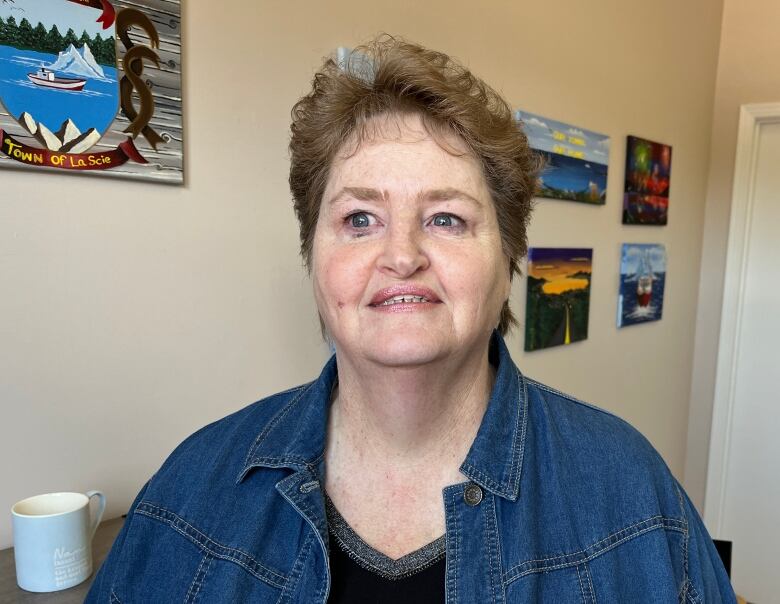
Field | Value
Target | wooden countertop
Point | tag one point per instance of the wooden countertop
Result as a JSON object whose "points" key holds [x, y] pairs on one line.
{"points": [[11, 593]]}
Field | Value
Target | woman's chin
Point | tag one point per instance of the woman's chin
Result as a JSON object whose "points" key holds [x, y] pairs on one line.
{"points": [[405, 350], [398, 343]]}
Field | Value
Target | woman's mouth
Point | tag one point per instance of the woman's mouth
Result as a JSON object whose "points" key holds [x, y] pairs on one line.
{"points": [[403, 294], [404, 300]]}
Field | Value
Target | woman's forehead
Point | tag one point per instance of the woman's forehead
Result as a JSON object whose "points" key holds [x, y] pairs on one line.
{"points": [[402, 128], [389, 176], [401, 150]]}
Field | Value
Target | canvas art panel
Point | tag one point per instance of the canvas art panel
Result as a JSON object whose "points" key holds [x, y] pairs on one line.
{"points": [[577, 159], [642, 283], [558, 296], [648, 170], [92, 87]]}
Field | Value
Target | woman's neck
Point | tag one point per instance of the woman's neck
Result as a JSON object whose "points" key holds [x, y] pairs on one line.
{"points": [[401, 421]]}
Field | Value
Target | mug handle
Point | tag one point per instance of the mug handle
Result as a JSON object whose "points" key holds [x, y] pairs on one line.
{"points": [[101, 508]]}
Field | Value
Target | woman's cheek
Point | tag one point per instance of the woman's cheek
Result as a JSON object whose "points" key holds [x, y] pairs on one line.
{"points": [[346, 277]]}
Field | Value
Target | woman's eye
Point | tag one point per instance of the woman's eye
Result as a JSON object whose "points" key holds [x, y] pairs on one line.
{"points": [[446, 221], [359, 220]]}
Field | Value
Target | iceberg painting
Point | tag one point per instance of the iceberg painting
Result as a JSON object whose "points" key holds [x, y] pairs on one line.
{"points": [[80, 62]]}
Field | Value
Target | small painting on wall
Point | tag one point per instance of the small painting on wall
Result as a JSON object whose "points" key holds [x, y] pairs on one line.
{"points": [[577, 159], [648, 168], [642, 281], [558, 298], [92, 87]]}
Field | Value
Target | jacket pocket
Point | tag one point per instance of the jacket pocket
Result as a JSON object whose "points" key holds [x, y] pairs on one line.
{"points": [[167, 559], [157, 565]]}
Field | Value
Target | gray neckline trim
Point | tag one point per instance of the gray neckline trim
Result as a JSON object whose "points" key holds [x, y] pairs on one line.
{"points": [[374, 561]]}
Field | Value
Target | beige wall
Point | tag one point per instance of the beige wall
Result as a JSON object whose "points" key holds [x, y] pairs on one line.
{"points": [[132, 314], [747, 73]]}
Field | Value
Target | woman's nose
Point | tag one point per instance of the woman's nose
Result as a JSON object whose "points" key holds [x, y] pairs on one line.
{"points": [[402, 253]]}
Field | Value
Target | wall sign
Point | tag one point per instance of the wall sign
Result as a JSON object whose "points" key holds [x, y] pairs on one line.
{"points": [[93, 87], [648, 169], [558, 296], [577, 159], [642, 283]]}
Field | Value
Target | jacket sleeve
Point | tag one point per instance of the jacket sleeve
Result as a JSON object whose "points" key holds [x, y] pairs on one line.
{"points": [[101, 586], [707, 578]]}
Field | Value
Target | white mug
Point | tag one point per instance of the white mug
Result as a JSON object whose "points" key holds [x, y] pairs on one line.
{"points": [[53, 539]]}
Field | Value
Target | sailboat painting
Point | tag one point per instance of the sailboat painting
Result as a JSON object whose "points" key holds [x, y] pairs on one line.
{"points": [[642, 280], [558, 296]]}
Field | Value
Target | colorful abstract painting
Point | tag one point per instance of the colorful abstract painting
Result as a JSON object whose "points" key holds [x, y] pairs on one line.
{"points": [[648, 169], [642, 281], [577, 159], [558, 299], [92, 87]]}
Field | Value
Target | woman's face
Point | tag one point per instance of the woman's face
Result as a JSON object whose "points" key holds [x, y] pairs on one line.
{"points": [[407, 260]]}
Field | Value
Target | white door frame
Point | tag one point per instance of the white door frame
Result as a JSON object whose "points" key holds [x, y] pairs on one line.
{"points": [[751, 119]]}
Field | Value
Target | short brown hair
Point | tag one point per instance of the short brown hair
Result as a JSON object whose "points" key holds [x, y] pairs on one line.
{"points": [[389, 75]]}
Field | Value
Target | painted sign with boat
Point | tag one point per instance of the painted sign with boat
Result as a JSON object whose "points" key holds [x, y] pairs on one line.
{"points": [[84, 86], [642, 283], [47, 79]]}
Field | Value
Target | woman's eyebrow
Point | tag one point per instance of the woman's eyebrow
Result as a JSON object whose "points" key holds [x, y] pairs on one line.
{"points": [[360, 193], [431, 195], [446, 194]]}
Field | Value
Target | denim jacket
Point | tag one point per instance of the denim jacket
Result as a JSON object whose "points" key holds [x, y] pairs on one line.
{"points": [[564, 503]]}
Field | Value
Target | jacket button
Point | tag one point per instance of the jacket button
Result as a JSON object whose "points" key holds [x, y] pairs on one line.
{"points": [[473, 494]]}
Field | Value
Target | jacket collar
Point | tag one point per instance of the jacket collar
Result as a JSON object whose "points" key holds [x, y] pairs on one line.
{"points": [[295, 436]]}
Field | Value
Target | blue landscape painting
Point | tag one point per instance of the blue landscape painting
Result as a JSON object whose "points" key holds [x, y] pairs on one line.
{"points": [[577, 159], [573, 179], [642, 282], [95, 106]]}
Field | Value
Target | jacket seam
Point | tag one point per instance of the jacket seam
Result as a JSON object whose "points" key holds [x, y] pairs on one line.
{"points": [[519, 435], [300, 391], [590, 583], [297, 570], [489, 534], [317, 522], [511, 487], [452, 540], [593, 551], [579, 579], [293, 389], [197, 580], [516, 470], [485, 480], [496, 546], [692, 595], [284, 462], [572, 399], [686, 583], [208, 545]]}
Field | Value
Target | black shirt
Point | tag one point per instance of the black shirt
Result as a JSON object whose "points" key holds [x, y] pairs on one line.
{"points": [[362, 575], [353, 584]]}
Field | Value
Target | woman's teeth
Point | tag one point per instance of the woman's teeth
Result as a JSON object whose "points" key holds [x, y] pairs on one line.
{"points": [[403, 300]]}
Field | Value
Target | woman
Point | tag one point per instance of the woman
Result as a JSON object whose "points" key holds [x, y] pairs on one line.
{"points": [[421, 466]]}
